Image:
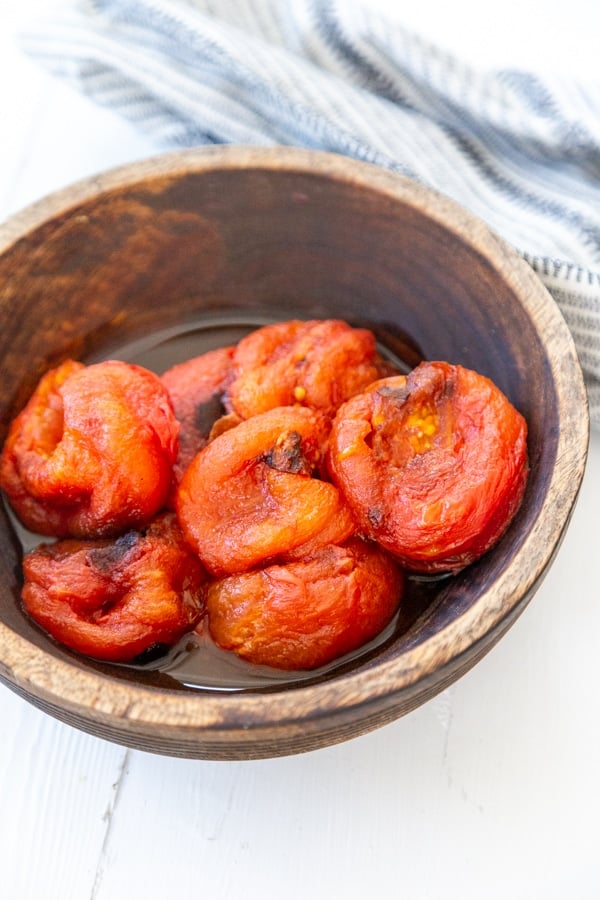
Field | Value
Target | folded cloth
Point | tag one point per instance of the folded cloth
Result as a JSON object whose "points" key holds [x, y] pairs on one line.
{"points": [[520, 150]]}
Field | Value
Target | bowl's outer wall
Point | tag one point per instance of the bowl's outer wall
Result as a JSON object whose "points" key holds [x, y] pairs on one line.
{"points": [[176, 248]]}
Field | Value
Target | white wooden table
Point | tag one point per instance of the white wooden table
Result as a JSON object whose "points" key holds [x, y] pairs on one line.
{"points": [[489, 791]]}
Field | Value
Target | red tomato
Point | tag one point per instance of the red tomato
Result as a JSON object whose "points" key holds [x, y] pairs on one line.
{"points": [[315, 363], [304, 614], [249, 495], [196, 388], [114, 600], [91, 454], [433, 465]]}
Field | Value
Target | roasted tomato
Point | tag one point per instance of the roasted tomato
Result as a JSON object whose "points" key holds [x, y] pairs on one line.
{"points": [[433, 465], [249, 494], [113, 600], [307, 613], [92, 452], [196, 388], [316, 363]]}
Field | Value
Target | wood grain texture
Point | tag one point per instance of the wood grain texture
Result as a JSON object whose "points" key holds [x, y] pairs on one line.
{"points": [[202, 234]]}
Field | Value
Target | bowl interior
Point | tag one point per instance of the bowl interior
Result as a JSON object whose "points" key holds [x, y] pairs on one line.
{"points": [[160, 262]]}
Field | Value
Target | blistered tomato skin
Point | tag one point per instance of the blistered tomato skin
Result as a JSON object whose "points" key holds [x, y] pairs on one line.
{"points": [[196, 388], [113, 600], [317, 364], [433, 464], [305, 614], [92, 452], [249, 495]]}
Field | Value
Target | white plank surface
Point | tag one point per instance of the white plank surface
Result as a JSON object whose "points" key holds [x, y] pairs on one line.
{"points": [[490, 790]]}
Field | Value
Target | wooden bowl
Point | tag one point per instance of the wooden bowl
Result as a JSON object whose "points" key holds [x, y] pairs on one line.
{"points": [[165, 258]]}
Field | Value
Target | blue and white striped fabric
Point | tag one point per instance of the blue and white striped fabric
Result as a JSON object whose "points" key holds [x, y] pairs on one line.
{"points": [[520, 150]]}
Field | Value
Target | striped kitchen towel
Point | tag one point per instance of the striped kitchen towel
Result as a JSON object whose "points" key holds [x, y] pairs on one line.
{"points": [[520, 150]]}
